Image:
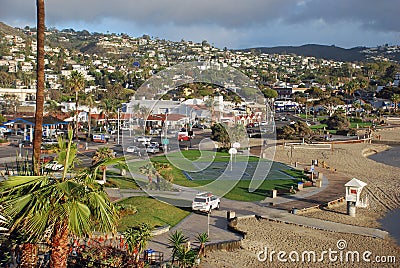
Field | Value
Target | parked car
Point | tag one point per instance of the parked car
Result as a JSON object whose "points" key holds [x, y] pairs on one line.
{"points": [[132, 149], [183, 136], [199, 126], [153, 149], [54, 165], [143, 139], [205, 202]]}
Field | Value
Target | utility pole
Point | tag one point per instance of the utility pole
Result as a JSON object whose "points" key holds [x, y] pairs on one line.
{"points": [[118, 127]]}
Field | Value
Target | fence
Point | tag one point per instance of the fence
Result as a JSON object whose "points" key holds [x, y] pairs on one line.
{"points": [[312, 146]]}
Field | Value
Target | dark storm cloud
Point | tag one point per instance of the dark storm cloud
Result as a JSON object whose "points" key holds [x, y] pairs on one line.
{"points": [[225, 22], [226, 13], [370, 14]]}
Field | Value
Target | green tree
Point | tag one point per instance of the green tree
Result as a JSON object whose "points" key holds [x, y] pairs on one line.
{"points": [[337, 121], [202, 239], [395, 99], [76, 83], [59, 206], [269, 93], [176, 241], [90, 102], [186, 257], [219, 133], [136, 238], [357, 106], [330, 104], [210, 103], [101, 156]]}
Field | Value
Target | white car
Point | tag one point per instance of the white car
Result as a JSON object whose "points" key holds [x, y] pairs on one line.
{"points": [[153, 149], [132, 149], [205, 202], [143, 139], [54, 165]]}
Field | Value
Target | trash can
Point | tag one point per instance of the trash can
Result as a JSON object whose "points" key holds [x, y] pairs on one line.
{"points": [[149, 255], [230, 214]]}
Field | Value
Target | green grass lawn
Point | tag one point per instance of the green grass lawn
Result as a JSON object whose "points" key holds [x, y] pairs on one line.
{"points": [[240, 191], [151, 211], [320, 126], [360, 125], [295, 173], [123, 182]]}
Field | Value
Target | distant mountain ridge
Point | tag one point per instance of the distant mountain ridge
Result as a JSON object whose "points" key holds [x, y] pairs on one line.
{"points": [[331, 52]]}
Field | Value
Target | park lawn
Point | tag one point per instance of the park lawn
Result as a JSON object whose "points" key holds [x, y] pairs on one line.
{"points": [[123, 182], [320, 126], [360, 125], [296, 173], [151, 211], [241, 190], [194, 155]]}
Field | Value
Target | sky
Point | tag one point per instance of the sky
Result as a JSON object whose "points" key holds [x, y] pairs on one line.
{"points": [[224, 23]]}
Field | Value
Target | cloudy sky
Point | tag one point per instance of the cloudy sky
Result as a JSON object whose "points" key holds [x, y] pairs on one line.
{"points": [[224, 23]]}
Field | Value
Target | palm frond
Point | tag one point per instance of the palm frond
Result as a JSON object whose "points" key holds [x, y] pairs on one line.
{"points": [[79, 219], [103, 211]]}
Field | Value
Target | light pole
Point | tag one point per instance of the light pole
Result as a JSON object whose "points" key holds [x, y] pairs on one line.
{"points": [[118, 127], [208, 223]]}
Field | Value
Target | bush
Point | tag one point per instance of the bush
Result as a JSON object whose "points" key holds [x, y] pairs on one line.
{"points": [[338, 122], [223, 150]]}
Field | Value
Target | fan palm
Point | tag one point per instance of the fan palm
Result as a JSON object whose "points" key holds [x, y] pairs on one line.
{"points": [[60, 206], [76, 83], [103, 154]]}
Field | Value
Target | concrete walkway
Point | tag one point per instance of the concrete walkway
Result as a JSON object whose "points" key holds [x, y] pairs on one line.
{"points": [[245, 209]]}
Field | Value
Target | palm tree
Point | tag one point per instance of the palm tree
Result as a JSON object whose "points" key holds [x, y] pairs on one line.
{"points": [[210, 102], [89, 101], [60, 206], [176, 241], [37, 138], [186, 257], [148, 170], [103, 154], [76, 83], [52, 107], [202, 239], [395, 99], [108, 107], [136, 238]]}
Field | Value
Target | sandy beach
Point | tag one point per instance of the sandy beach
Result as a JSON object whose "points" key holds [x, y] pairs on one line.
{"points": [[351, 160]]}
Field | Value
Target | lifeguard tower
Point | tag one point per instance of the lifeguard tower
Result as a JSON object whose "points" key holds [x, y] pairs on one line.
{"points": [[353, 196]]}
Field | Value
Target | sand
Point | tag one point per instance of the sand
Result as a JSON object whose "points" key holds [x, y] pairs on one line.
{"points": [[383, 192]]}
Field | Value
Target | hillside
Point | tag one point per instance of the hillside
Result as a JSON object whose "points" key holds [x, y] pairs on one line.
{"points": [[8, 30], [331, 52]]}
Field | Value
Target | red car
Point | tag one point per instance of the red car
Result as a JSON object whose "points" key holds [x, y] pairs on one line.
{"points": [[183, 136]]}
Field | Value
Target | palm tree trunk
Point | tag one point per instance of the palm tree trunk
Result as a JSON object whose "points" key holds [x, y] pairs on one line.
{"points": [[37, 138], [104, 174], [89, 122], [59, 246], [29, 255]]}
